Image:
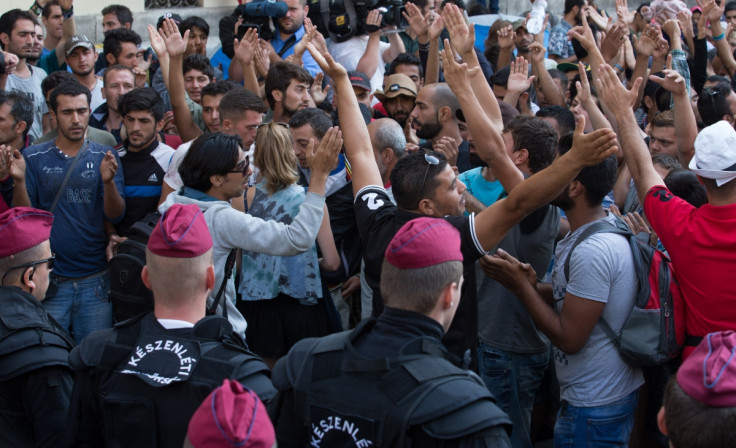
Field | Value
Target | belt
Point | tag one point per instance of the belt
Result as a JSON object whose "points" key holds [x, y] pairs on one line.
{"points": [[62, 279]]}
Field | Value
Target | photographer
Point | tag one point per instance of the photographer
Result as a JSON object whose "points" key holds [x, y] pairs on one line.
{"points": [[366, 53], [290, 32]]}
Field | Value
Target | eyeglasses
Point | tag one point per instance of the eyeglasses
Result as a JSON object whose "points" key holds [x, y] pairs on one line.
{"points": [[431, 160], [242, 170], [32, 265], [712, 92]]}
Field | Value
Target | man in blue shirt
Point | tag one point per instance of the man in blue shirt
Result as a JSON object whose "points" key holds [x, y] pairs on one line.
{"points": [[80, 182], [290, 32]]}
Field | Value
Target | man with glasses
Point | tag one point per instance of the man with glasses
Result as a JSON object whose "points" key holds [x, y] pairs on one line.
{"points": [[214, 172], [716, 103], [35, 378]]}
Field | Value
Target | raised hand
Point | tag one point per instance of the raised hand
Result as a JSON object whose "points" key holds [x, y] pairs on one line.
{"points": [[712, 10], [583, 85], [623, 13], [601, 20], [246, 47], [374, 20], [613, 93], [176, 44], [328, 65], [319, 94], [457, 75], [594, 147], [263, 63], [324, 159], [536, 50], [519, 81], [614, 40], [684, 18], [672, 81], [647, 44], [584, 35], [462, 35], [157, 41], [671, 27], [418, 23], [108, 168], [436, 25], [506, 37]]}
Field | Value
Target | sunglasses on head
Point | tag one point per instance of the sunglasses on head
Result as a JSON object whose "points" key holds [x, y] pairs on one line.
{"points": [[431, 160]]}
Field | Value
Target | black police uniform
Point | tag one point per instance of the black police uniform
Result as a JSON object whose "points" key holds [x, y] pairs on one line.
{"points": [[138, 384], [35, 377], [388, 383]]}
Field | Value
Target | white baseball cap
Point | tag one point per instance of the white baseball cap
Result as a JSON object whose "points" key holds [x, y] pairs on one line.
{"points": [[715, 153]]}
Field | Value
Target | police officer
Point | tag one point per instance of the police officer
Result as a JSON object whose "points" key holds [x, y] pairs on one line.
{"points": [[35, 378], [139, 383], [390, 382]]}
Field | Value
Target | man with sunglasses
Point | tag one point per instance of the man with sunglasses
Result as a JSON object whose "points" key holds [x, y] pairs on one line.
{"points": [[35, 378]]}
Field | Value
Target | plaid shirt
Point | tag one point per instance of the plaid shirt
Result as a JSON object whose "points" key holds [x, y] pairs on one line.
{"points": [[558, 43]]}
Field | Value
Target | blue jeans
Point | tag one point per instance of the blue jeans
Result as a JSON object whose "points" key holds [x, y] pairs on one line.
{"points": [[82, 306], [514, 380], [598, 426]]}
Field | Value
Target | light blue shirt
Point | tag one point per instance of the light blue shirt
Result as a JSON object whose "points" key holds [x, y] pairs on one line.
{"points": [[309, 63]]}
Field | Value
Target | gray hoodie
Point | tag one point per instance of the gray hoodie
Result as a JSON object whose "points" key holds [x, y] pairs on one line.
{"points": [[232, 229]]}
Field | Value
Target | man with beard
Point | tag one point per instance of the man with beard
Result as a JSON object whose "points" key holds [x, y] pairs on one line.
{"points": [[287, 90], [290, 32], [116, 82], [80, 57], [17, 35], [144, 159], [398, 96], [80, 182], [434, 118]]}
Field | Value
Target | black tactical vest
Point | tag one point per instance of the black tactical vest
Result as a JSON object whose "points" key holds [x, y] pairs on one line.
{"points": [[343, 399]]}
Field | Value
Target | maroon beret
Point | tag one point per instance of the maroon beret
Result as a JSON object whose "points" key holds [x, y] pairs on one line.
{"points": [[22, 228], [180, 233], [709, 373], [424, 242]]}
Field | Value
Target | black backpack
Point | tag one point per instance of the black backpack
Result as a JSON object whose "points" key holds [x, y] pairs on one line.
{"points": [[129, 295]]}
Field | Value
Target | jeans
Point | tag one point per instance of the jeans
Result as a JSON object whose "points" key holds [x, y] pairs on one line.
{"points": [[598, 426], [514, 380], [82, 306]]}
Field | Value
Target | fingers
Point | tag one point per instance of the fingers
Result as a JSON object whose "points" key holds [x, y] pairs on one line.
{"points": [[580, 126]]}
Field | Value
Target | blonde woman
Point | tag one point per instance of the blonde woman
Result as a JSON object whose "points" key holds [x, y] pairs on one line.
{"points": [[281, 295]]}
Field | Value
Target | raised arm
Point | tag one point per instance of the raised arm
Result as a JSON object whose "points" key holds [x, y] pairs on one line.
{"points": [[544, 80], [492, 224], [686, 128], [175, 47], [68, 29], [368, 63], [714, 11], [636, 153], [488, 140], [357, 141]]}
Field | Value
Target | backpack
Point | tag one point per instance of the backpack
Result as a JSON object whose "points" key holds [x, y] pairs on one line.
{"points": [[128, 294], [654, 332]]}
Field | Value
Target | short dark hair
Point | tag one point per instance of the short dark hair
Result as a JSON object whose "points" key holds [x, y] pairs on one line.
{"points": [[408, 175], [198, 62], [123, 13], [54, 79], [693, 424], [68, 89], [663, 98], [219, 88], [405, 59], [713, 103], [459, 3], [194, 22], [46, 11], [730, 6], [556, 74], [598, 180], [10, 18], [115, 68], [115, 38], [142, 99], [501, 76], [638, 10], [569, 4], [666, 161], [21, 107], [237, 101], [684, 184], [537, 137], [565, 119], [210, 154], [279, 77], [317, 119], [664, 119]]}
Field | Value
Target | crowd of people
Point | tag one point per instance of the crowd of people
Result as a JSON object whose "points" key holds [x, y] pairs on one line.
{"points": [[366, 241]]}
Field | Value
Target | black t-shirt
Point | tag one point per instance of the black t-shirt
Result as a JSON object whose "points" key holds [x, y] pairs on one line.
{"points": [[463, 155], [378, 221]]}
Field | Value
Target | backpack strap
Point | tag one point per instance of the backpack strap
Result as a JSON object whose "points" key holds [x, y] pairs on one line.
{"points": [[605, 227], [229, 265]]}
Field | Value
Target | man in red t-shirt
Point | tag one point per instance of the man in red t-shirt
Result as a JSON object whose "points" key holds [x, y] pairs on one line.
{"points": [[701, 241]]}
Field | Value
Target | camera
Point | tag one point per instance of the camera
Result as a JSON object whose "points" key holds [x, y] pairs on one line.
{"points": [[260, 15]]}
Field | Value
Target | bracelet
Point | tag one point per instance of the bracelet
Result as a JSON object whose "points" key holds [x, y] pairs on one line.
{"points": [[67, 13], [618, 66], [719, 37], [36, 9]]}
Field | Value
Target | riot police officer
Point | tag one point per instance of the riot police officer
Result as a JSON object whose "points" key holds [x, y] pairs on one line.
{"points": [[390, 382]]}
